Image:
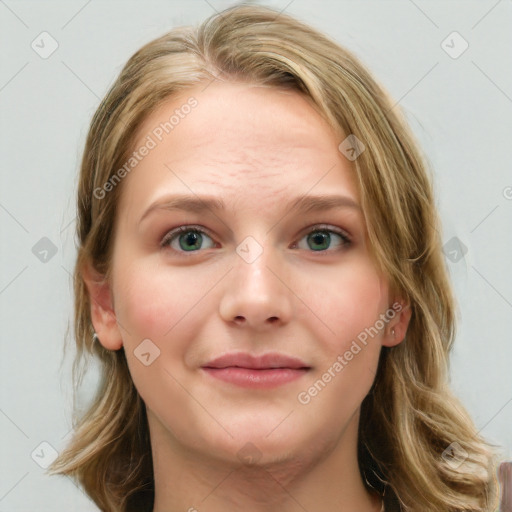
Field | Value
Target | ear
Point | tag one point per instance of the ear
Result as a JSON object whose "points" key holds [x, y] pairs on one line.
{"points": [[397, 326], [102, 310]]}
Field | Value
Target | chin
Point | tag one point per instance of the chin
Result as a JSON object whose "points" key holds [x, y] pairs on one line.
{"points": [[259, 448]]}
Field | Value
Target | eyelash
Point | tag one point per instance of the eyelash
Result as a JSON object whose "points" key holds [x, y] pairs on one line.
{"points": [[169, 237]]}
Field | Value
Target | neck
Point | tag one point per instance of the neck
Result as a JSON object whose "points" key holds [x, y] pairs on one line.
{"points": [[324, 478]]}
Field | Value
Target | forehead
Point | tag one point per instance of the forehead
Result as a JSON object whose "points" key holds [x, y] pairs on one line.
{"points": [[247, 142]]}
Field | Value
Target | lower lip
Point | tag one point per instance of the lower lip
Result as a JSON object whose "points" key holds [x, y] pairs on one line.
{"points": [[251, 378]]}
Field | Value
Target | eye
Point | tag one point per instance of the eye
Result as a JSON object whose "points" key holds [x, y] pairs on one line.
{"points": [[321, 238], [191, 239], [186, 239]]}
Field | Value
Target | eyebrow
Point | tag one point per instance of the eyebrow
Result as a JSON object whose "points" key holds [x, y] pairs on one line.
{"points": [[303, 204]]}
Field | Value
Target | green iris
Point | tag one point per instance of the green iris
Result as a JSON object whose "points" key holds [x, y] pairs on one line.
{"points": [[190, 237], [322, 238]]}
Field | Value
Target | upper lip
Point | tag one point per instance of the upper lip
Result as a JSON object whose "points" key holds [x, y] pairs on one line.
{"points": [[256, 362]]}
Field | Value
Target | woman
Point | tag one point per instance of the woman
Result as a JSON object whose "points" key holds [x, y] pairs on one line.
{"points": [[260, 274]]}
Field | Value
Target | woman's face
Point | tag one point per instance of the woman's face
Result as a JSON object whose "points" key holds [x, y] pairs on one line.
{"points": [[268, 271]]}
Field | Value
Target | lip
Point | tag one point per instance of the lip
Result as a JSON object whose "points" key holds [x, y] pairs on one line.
{"points": [[263, 372], [270, 360]]}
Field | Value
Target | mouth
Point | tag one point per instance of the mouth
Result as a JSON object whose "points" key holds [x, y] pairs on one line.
{"points": [[263, 372]]}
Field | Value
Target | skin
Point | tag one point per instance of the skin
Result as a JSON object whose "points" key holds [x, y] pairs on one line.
{"points": [[257, 149]]}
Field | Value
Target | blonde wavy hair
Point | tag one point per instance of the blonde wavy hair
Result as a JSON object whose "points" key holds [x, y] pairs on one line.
{"points": [[410, 417]]}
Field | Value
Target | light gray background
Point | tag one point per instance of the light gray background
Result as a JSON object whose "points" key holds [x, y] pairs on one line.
{"points": [[459, 108]]}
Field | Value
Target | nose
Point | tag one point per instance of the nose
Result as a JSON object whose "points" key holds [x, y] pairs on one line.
{"points": [[257, 293]]}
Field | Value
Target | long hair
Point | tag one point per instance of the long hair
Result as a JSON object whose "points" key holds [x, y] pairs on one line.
{"points": [[416, 440]]}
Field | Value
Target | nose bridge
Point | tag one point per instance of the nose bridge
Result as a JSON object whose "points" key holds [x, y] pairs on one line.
{"points": [[253, 264], [255, 293]]}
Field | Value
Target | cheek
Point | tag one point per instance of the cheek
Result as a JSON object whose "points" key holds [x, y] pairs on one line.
{"points": [[153, 303], [348, 362], [348, 303], [152, 299]]}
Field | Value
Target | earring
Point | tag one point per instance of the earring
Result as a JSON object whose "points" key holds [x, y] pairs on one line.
{"points": [[95, 338], [393, 332]]}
